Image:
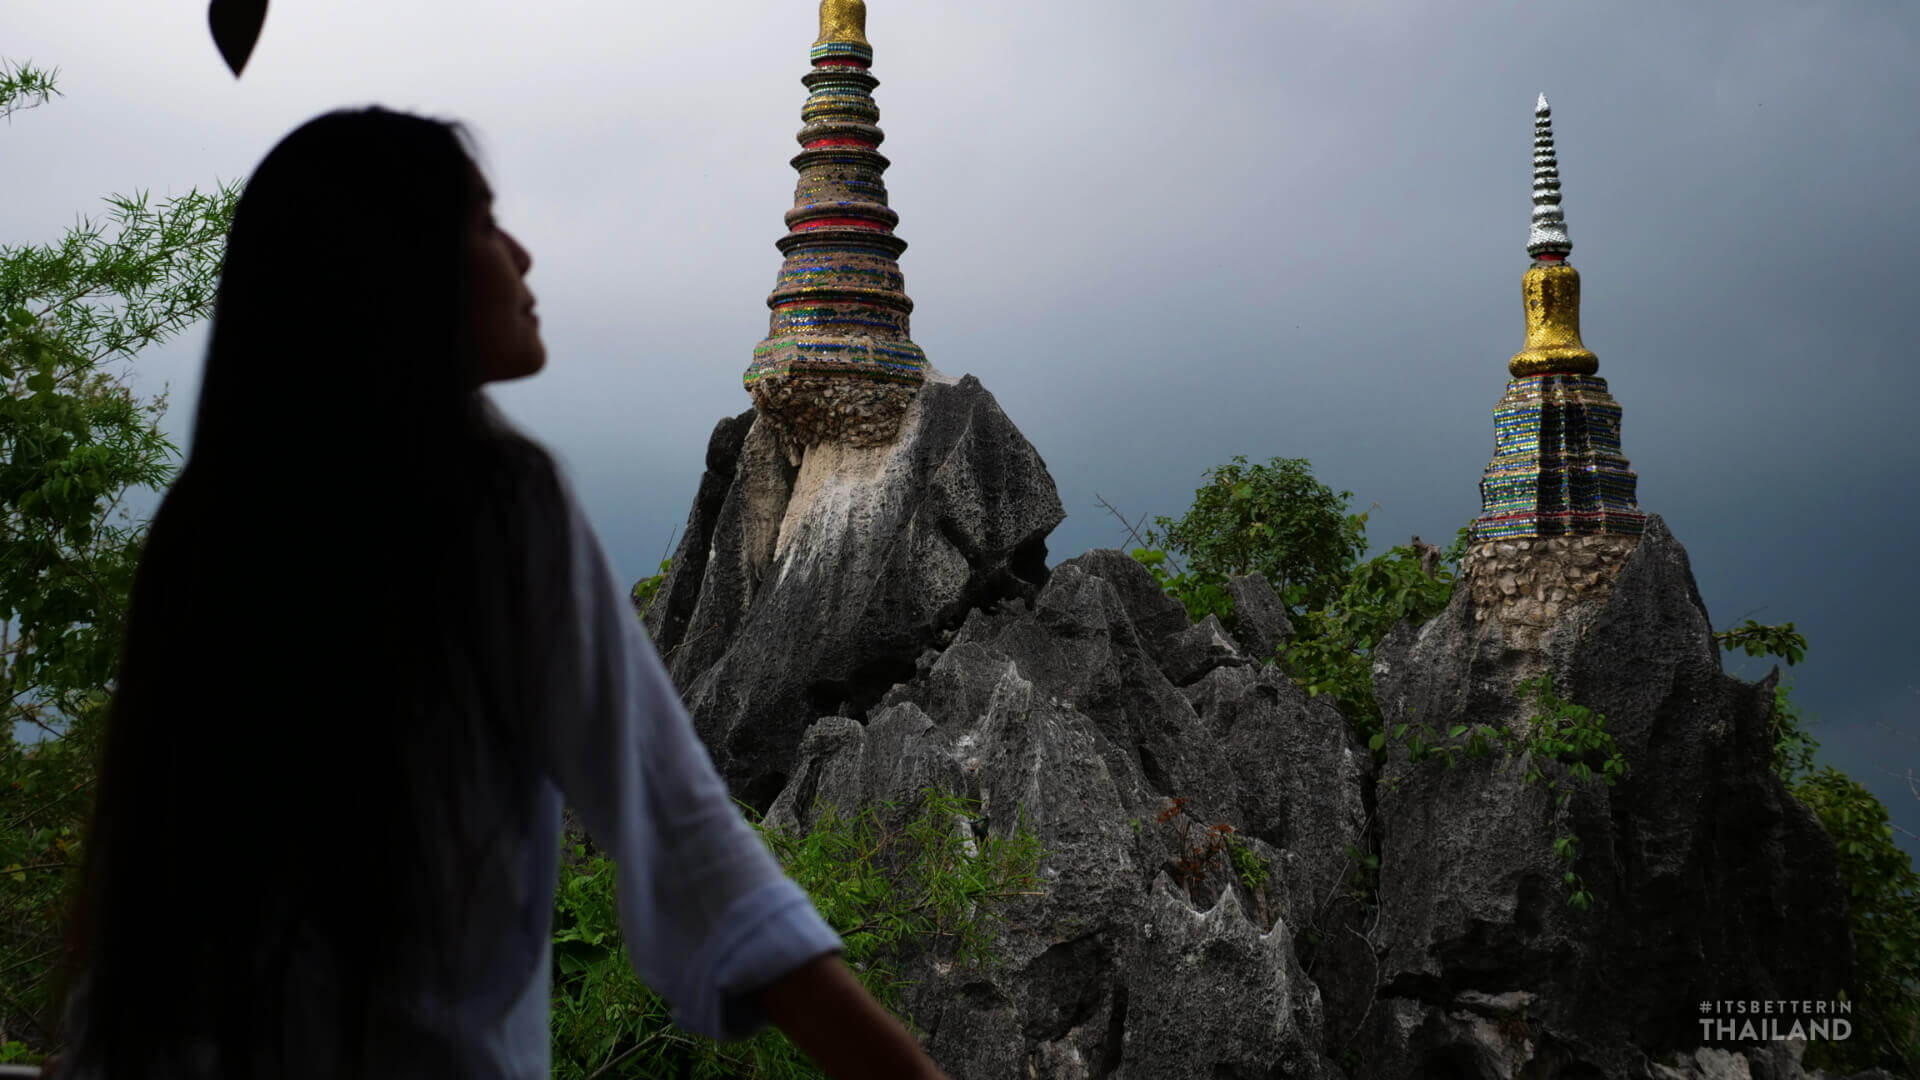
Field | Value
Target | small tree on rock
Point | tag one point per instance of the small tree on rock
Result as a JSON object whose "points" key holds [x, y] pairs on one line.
{"points": [[1274, 520]]}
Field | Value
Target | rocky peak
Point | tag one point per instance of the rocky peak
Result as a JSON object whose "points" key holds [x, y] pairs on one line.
{"points": [[1710, 881], [804, 591]]}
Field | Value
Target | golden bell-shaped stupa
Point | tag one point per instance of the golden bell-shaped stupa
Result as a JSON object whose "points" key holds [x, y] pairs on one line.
{"points": [[1551, 287]]}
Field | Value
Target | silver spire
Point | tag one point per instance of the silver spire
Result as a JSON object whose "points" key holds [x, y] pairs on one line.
{"points": [[1549, 232]]}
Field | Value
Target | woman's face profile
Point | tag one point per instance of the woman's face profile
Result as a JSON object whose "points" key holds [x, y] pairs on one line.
{"points": [[506, 331]]}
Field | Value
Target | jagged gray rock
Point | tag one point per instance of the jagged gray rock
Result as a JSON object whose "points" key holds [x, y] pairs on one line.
{"points": [[810, 590], [1060, 717], [1190, 654], [1302, 777], [1711, 881], [1153, 613], [1304, 786], [1210, 986], [667, 619], [1260, 620]]}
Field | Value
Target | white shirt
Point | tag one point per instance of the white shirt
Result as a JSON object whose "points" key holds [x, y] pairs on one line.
{"points": [[708, 915]]}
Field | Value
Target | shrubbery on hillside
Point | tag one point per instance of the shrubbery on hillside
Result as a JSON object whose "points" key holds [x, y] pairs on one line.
{"points": [[891, 892]]}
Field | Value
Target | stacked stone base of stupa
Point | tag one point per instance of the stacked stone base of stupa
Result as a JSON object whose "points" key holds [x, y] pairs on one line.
{"points": [[1529, 583], [806, 410]]}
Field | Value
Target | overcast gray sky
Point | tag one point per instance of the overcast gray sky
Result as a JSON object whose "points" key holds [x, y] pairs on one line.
{"points": [[1164, 234]]}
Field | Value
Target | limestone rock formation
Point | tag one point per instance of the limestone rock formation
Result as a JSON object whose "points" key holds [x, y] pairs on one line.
{"points": [[1058, 714], [880, 620], [1260, 620], [800, 592], [1710, 880]]}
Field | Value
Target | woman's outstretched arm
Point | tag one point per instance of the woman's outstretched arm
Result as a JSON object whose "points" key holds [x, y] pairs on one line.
{"points": [[830, 1016], [712, 921]]}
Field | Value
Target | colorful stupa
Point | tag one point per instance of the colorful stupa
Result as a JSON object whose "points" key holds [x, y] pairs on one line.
{"points": [[837, 363], [1558, 488]]}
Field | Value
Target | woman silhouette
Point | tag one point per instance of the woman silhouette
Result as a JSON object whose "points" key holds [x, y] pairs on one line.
{"points": [[373, 643]]}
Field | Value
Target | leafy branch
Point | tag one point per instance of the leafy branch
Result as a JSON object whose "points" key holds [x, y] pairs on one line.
{"points": [[1754, 639], [23, 86]]}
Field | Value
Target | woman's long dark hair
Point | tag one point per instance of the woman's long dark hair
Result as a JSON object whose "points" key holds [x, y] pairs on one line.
{"points": [[331, 632]]}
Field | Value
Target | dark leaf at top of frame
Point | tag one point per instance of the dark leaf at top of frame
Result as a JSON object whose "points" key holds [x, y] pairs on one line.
{"points": [[236, 27]]}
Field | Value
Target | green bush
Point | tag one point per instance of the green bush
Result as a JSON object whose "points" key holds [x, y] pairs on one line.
{"points": [[1278, 521], [1883, 896], [1793, 745], [890, 890], [646, 591], [1332, 647], [1274, 520]]}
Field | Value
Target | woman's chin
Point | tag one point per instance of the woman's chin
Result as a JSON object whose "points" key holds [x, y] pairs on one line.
{"points": [[507, 369]]}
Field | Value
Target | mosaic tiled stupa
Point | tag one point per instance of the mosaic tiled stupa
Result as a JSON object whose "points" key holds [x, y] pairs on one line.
{"points": [[838, 363], [1557, 503]]}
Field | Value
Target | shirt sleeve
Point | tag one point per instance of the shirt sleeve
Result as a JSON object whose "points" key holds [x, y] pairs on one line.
{"points": [[709, 916]]}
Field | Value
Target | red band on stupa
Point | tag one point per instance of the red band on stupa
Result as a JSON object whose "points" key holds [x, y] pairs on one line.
{"points": [[840, 223]]}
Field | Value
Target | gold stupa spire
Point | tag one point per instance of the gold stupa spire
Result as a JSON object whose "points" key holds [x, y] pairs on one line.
{"points": [[843, 21], [1551, 287]]}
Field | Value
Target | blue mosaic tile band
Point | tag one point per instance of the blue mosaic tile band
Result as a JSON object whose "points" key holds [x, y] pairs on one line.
{"points": [[1557, 466]]}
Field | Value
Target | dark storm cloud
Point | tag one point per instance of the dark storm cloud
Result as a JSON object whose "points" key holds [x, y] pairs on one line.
{"points": [[1164, 234]]}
